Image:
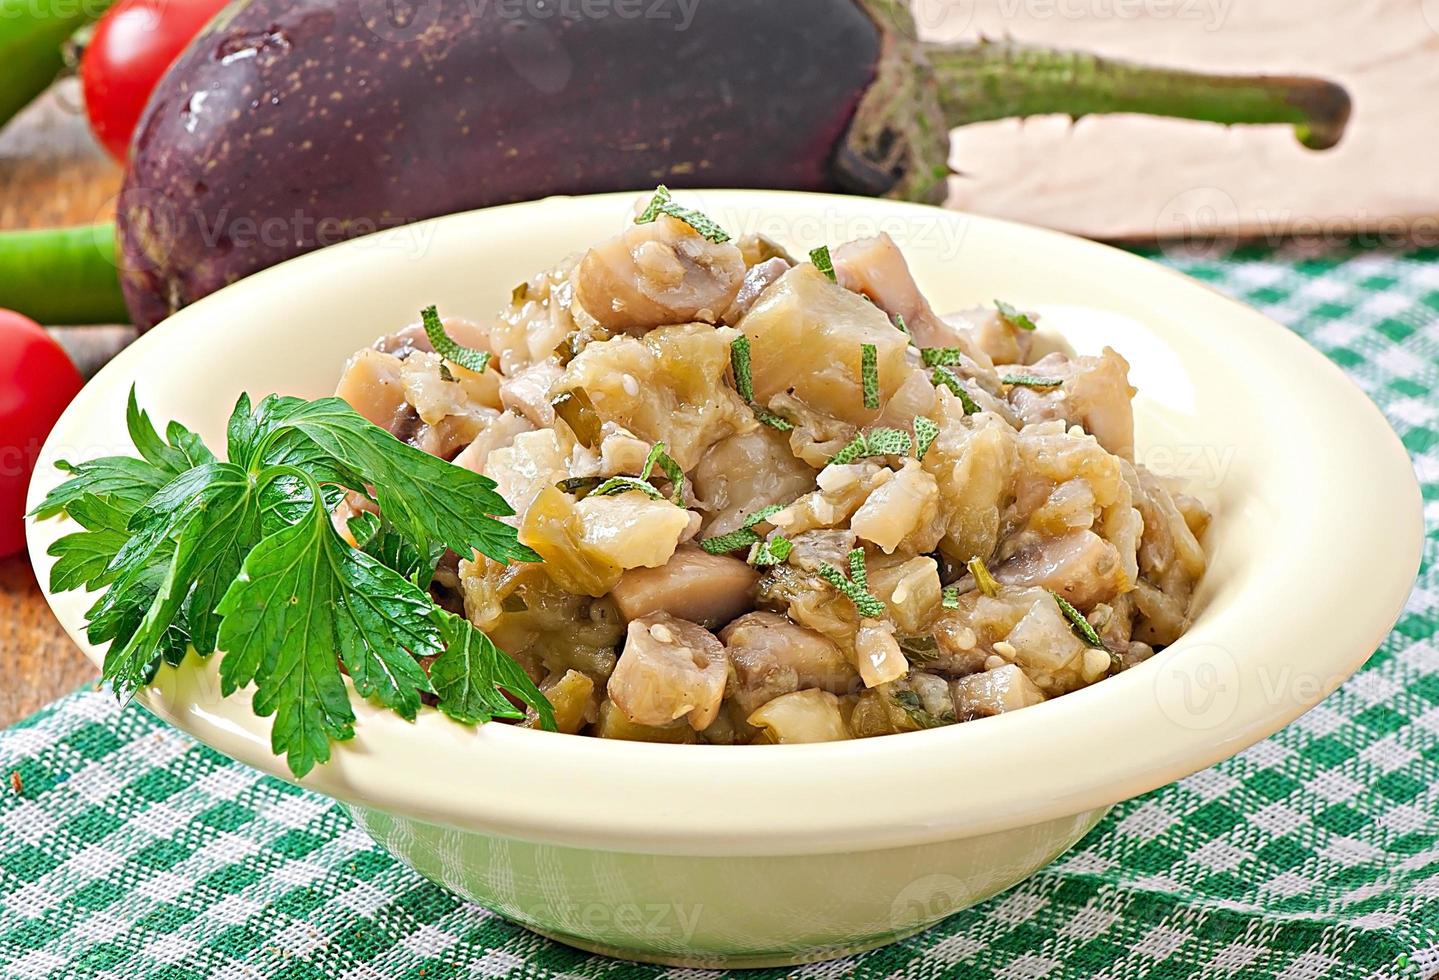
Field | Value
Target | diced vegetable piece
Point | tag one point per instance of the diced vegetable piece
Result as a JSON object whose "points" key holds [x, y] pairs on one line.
{"points": [[911, 591], [1094, 394], [773, 656], [746, 472], [613, 723], [693, 585], [902, 510], [572, 697], [877, 655], [992, 692], [658, 273], [805, 334], [371, 383], [669, 669], [630, 529], [1046, 647], [802, 716], [669, 387], [1081, 566]]}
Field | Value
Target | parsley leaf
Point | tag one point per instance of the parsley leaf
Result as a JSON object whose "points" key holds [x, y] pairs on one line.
{"points": [[663, 203], [192, 552], [472, 675]]}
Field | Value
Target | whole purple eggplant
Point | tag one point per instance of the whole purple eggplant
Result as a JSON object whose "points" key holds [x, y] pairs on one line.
{"points": [[290, 124]]}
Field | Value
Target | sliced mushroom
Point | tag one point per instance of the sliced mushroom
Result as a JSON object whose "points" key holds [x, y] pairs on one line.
{"points": [[773, 656], [659, 273], [693, 585]]}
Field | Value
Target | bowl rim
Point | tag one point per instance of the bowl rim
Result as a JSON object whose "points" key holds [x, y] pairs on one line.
{"points": [[704, 800]]}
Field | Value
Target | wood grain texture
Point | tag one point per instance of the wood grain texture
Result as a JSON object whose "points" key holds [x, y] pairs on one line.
{"points": [[51, 173], [1134, 177]]}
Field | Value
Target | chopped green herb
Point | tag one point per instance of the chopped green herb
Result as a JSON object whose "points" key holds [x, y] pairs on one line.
{"points": [[875, 442], [858, 574], [739, 359], [869, 374], [868, 606], [242, 556], [944, 377], [770, 419], [949, 597], [822, 261], [1012, 316], [744, 535], [448, 348], [985, 581], [624, 484], [1031, 381], [772, 552], [941, 356], [912, 706], [899, 325], [580, 486], [672, 470], [520, 293], [663, 203], [926, 430], [575, 409], [1081, 625], [920, 648]]}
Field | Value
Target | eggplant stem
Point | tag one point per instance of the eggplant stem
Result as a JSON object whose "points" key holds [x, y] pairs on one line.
{"points": [[999, 79]]}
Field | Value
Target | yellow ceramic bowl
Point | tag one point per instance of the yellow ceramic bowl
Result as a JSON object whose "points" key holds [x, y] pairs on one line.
{"points": [[759, 855]]}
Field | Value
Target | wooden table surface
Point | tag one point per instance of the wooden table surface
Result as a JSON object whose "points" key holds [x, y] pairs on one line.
{"points": [[50, 174]]}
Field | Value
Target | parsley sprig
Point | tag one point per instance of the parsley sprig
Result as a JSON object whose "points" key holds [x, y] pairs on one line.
{"points": [[241, 556], [664, 203]]}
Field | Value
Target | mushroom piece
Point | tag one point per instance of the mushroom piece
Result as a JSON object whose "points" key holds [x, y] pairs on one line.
{"points": [[693, 585], [659, 273], [773, 657], [669, 669]]}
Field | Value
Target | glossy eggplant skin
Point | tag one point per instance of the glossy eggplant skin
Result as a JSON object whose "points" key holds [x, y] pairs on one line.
{"points": [[292, 124]]}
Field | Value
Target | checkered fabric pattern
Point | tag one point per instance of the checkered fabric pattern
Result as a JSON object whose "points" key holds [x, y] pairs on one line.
{"points": [[133, 852]]}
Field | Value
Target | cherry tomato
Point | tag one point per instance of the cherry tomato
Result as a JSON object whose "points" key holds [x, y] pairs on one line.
{"points": [[37, 381], [132, 46]]}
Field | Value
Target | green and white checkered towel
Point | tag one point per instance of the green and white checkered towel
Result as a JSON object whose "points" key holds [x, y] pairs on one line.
{"points": [[133, 852]]}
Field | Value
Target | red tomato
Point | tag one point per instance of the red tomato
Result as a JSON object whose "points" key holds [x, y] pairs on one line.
{"points": [[132, 46], [37, 381]]}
